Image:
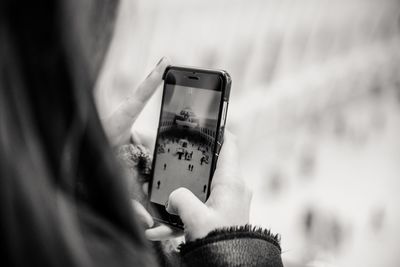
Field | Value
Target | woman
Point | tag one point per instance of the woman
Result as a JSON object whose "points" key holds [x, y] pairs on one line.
{"points": [[62, 196]]}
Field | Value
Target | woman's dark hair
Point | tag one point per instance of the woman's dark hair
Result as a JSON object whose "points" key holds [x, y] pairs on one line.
{"points": [[62, 197]]}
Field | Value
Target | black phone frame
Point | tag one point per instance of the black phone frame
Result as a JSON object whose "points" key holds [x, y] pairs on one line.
{"points": [[186, 76]]}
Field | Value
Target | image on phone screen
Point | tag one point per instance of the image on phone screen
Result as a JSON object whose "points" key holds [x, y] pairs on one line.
{"points": [[185, 141]]}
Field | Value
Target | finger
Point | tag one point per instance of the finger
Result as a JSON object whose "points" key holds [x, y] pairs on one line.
{"points": [[134, 104], [135, 138], [162, 232], [145, 188], [119, 123], [228, 169], [147, 88], [144, 137], [143, 216], [186, 205]]}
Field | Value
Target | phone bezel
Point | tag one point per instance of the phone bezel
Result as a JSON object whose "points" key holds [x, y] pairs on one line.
{"points": [[217, 80]]}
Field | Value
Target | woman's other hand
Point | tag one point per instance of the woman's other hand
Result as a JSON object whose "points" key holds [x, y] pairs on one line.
{"points": [[119, 123]]}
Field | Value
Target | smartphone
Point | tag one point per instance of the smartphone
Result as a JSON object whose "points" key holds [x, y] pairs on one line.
{"points": [[189, 137]]}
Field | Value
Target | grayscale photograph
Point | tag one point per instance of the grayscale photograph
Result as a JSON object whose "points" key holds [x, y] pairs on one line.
{"points": [[201, 133]]}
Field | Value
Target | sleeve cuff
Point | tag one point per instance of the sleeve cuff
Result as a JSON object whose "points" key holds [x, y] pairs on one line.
{"points": [[234, 246]]}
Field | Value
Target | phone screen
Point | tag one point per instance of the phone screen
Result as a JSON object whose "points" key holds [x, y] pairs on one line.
{"points": [[185, 141]]}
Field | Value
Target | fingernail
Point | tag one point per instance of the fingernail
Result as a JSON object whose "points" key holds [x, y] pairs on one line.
{"points": [[160, 61]]}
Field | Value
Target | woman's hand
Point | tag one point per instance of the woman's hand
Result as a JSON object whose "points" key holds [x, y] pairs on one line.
{"points": [[228, 204], [229, 201], [119, 123]]}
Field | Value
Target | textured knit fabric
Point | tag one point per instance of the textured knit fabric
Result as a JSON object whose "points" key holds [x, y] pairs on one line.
{"points": [[234, 246], [135, 161]]}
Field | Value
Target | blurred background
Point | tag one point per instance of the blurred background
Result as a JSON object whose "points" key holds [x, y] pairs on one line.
{"points": [[315, 104]]}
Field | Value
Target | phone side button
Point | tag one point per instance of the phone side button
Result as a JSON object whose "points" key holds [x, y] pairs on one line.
{"points": [[219, 145]]}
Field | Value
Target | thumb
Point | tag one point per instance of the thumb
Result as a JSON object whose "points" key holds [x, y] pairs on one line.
{"points": [[184, 203], [143, 215]]}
